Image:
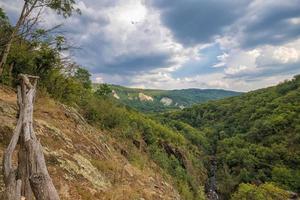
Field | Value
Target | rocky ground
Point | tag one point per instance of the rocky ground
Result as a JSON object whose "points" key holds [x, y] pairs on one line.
{"points": [[84, 162]]}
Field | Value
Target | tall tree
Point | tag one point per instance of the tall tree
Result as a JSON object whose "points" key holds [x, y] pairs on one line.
{"points": [[34, 7]]}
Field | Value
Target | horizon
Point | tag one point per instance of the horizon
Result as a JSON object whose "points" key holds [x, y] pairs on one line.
{"points": [[191, 88], [230, 45]]}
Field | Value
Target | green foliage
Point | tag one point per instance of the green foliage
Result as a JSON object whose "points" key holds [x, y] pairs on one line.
{"points": [[286, 178], [254, 136], [103, 90], [83, 76], [4, 23], [267, 191]]}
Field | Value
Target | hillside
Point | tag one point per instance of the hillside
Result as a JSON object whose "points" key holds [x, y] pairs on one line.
{"points": [[84, 162], [141, 160], [253, 138], [150, 100]]}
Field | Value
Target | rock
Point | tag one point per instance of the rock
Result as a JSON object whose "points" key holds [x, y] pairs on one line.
{"points": [[129, 170], [144, 97], [177, 153], [114, 93], [84, 167], [166, 101]]}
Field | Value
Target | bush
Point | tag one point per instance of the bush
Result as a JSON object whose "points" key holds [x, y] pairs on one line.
{"points": [[267, 191]]}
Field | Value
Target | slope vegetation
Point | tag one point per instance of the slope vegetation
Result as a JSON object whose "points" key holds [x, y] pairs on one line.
{"points": [[254, 138], [84, 162], [129, 156]]}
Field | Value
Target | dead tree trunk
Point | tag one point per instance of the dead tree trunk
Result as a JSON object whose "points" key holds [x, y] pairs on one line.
{"points": [[30, 179]]}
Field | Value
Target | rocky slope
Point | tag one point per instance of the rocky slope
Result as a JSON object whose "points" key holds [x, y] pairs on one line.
{"points": [[84, 162]]}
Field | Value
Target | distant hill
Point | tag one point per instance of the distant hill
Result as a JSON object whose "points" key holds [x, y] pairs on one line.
{"points": [[152, 100]]}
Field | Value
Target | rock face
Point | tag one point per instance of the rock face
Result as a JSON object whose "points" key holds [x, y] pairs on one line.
{"points": [[181, 107], [144, 97], [166, 101], [114, 93], [81, 160]]}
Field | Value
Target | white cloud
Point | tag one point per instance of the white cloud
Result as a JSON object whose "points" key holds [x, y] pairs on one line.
{"points": [[286, 55], [109, 30], [295, 20], [222, 60]]}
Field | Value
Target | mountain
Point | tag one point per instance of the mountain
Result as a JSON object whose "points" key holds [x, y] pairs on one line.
{"points": [[150, 100], [252, 139]]}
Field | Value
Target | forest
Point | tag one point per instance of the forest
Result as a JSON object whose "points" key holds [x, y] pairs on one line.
{"points": [[254, 137]]}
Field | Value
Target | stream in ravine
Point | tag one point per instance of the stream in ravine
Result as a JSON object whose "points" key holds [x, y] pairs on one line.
{"points": [[212, 182]]}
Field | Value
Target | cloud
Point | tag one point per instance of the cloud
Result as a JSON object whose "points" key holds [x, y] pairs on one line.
{"points": [[131, 64], [199, 21], [127, 37], [166, 81], [264, 62], [230, 44], [205, 63], [270, 22]]}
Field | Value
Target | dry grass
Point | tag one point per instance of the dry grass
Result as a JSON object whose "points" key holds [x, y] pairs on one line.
{"points": [[63, 136]]}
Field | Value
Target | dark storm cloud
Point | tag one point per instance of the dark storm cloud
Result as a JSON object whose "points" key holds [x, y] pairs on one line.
{"points": [[198, 21], [134, 64], [272, 25]]}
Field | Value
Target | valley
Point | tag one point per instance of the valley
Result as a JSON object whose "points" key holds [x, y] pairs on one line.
{"points": [[253, 138]]}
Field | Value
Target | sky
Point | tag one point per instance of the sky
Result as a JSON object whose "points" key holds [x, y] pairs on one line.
{"points": [[237, 45]]}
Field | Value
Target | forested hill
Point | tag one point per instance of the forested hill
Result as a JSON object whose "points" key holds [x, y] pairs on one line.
{"points": [[255, 138], [152, 100]]}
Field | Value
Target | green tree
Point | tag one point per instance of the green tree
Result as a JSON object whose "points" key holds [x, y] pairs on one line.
{"points": [[267, 191], [29, 16], [286, 178], [103, 90], [83, 76]]}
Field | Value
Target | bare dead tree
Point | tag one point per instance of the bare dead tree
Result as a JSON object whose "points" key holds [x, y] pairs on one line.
{"points": [[30, 179]]}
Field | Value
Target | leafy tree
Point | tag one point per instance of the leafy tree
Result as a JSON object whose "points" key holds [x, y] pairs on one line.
{"points": [[103, 90], [83, 76], [286, 178], [266, 191], [27, 21]]}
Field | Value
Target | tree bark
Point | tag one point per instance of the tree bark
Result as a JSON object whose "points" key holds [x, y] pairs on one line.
{"points": [[30, 179]]}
